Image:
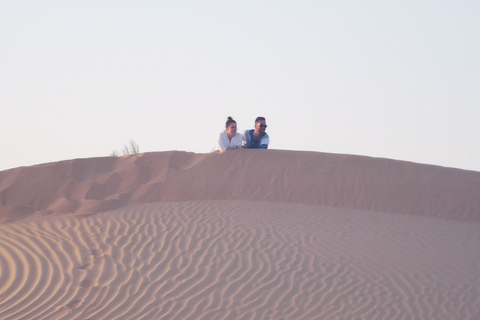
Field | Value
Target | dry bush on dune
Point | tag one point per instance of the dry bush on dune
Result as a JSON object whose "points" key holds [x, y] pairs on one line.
{"points": [[128, 149]]}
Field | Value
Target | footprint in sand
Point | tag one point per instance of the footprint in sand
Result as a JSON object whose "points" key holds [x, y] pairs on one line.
{"points": [[74, 304], [86, 266], [87, 283], [97, 253]]}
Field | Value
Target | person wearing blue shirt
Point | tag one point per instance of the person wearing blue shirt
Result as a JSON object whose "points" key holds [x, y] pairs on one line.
{"points": [[256, 138]]}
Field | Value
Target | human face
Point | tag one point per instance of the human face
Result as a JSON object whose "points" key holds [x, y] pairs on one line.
{"points": [[232, 129], [260, 126]]}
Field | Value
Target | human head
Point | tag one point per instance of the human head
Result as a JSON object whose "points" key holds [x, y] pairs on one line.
{"points": [[231, 126], [260, 124]]}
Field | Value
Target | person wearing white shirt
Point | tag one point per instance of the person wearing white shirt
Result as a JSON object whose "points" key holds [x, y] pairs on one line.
{"points": [[230, 138]]}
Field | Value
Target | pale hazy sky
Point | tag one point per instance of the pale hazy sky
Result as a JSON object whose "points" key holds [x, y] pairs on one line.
{"points": [[390, 79]]}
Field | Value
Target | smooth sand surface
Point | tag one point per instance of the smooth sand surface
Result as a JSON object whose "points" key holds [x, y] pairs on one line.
{"points": [[247, 234]]}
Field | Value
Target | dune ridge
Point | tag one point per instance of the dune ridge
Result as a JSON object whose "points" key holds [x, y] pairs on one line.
{"points": [[84, 186]]}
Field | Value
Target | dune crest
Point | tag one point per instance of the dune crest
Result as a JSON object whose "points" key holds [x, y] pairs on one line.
{"points": [[84, 186]]}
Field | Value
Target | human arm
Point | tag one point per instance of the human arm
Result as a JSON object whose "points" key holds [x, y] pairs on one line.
{"points": [[264, 142], [244, 139], [222, 142], [236, 142]]}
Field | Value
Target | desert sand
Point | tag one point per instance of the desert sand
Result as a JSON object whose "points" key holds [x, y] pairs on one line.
{"points": [[246, 234]]}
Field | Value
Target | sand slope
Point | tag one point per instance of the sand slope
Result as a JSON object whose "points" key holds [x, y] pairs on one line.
{"points": [[96, 185], [249, 235]]}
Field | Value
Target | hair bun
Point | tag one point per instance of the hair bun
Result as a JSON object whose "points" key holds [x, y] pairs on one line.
{"points": [[229, 121]]}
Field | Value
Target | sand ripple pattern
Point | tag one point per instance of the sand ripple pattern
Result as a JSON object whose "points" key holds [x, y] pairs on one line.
{"points": [[239, 260]]}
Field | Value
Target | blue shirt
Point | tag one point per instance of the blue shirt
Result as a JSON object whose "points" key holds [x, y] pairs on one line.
{"points": [[250, 143]]}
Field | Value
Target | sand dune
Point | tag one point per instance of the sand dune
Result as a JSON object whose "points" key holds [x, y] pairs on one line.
{"points": [[100, 184], [239, 235]]}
